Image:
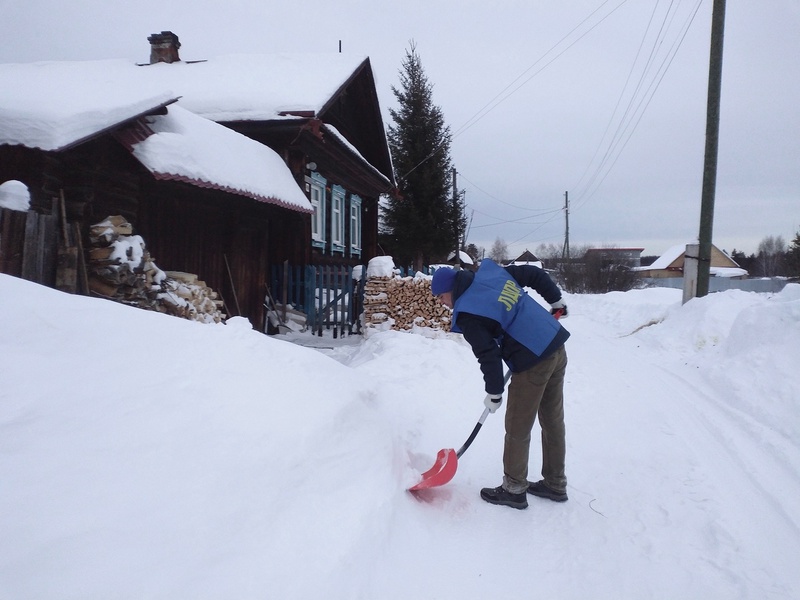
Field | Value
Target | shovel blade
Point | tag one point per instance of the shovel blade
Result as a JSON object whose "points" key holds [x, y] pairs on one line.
{"points": [[442, 471]]}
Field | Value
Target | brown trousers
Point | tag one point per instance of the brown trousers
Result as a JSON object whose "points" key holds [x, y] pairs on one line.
{"points": [[539, 390]]}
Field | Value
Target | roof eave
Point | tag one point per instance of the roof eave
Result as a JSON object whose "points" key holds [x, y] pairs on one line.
{"points": [[274, 200], [156, 110]]}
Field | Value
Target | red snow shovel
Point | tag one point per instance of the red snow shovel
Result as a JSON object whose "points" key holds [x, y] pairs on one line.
{"points": [[444, 469]]}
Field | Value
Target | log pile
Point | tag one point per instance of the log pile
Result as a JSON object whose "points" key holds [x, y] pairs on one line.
{"points": [[120, 268], [185, 295], [376, 298], [402, 303], [119, 265]]}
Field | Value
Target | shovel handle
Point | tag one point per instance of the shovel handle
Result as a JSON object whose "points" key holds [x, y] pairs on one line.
{"points": [[479, 423], [474, 433]]}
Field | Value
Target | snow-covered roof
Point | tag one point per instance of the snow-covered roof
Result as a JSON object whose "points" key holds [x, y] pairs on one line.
{"points": [[666, 259], [523, 263], [187, 147], [255, 87], [53, 105], [463, 257], [727, 272], [343, 140], [49, 105]]}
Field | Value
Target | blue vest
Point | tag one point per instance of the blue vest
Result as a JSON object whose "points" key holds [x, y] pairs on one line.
{"points": [[496, 295]]}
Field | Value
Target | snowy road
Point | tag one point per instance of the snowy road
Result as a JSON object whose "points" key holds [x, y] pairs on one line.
{"points": [[240, 466], [674, 489], [684, 474]]}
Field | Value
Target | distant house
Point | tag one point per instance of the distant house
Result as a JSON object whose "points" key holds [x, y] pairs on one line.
{"points": [[225, 167], [670, 264], [464, 259], [626, 257], [526, 258]]}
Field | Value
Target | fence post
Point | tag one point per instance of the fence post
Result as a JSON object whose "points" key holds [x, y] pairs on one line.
{"points": [[362, 282], [310, 283], [349, 282], [320, 300], [299, 288], [320, 291], [332, 290]]}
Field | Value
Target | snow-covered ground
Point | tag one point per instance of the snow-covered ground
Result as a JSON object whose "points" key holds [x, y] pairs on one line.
{"points": [[143, 456]]}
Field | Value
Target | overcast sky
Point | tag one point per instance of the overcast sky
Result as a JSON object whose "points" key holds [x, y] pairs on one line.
{"points": [[603, 100]]}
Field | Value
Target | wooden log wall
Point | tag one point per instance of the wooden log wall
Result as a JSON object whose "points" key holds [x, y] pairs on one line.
{"points": [[402, 303]]}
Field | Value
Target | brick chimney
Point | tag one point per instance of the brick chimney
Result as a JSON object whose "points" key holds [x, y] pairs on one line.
{"points": [[164, 47]]}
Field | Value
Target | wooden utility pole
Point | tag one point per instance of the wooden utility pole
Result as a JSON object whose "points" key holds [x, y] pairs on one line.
{"points": [[712, 148], [457, 255], [565, 253]]}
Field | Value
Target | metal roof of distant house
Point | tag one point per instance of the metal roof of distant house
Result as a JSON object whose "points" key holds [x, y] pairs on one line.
{"points": [[669, 257]]}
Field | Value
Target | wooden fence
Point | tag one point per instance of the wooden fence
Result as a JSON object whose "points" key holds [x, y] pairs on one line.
{"points": [[329, 296], [43, 248]]}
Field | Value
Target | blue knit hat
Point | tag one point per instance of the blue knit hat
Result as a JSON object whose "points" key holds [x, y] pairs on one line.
{"points": [[444, 278]]}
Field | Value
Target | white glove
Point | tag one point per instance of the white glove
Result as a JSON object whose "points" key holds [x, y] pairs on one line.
{"points": [[558, 308], [493, 402]]}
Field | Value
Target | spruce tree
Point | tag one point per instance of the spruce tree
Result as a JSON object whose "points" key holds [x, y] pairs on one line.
{"points": [[420, 222], [793, 257]]}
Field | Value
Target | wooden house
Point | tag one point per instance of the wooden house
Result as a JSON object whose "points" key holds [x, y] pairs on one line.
{"points": [[225, 167], [526, 258], [670, 264], [320, 112]]}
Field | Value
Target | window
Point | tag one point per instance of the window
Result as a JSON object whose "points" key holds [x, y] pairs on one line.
{"points": [[337, 219], [355, 225], [316, 191]]}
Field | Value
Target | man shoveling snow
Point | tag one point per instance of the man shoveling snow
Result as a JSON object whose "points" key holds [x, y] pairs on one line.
{"points": [[503, 324]]}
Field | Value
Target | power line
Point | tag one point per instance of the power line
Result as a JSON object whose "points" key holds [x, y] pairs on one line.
{"points": [[637, 105], [538, 228], [619, 100], [519, 221], [635, 109], [502, 96], [499, 98], [499, 200]]}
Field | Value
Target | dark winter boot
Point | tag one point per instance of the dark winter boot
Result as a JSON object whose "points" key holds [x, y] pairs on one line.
{"points": [[541, 490], [499, 495]]}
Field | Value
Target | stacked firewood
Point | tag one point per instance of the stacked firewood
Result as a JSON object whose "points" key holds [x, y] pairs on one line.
{"points": [[185, 295], [119, 265], [120, 268], [376, 301], [402, 303]]}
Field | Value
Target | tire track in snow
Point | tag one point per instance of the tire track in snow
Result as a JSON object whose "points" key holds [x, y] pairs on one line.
{"points": [[672, 467]]}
